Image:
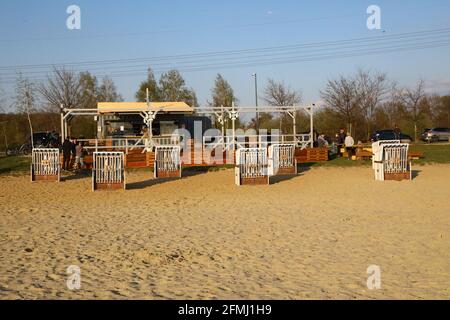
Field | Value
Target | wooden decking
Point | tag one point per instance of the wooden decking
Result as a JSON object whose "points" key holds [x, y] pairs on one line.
{"points": [[311, 155], [199, 158]]}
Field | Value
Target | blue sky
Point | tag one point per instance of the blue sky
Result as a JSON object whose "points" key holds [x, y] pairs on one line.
{"points": [[34, 32]]}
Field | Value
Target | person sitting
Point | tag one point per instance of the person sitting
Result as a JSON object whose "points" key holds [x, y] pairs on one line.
{"points": [[322, 142]]}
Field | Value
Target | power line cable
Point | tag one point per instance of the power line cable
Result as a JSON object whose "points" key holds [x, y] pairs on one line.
{"points": [[423, 33]]}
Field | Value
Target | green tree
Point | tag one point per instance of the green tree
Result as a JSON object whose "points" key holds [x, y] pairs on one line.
{"points": [[172, 84], [443, 112], [151, 85], [107, 92], [173, 88], [222, 93], [88, 90], [266, 121], [439, 110]]}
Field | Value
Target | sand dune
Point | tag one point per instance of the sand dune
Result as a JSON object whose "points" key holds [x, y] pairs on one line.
{"points": [[310, 236]]}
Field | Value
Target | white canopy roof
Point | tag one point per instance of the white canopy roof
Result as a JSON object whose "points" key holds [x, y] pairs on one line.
{"points": [[124, 107]]}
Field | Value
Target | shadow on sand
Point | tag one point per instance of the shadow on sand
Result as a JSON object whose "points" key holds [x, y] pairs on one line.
{"points": [[281, 178], [195, 171], [415, 173], [148, 183], [75, 175], [152, 182]]}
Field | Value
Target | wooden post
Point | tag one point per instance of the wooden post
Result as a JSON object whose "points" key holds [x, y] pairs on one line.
{"points": [[65, 128], [233, 119], [150, 126], [311, 120], [222, 122], [294, 128], [62, 125]]}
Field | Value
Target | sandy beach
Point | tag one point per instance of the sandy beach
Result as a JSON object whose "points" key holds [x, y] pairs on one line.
{"points": [[202, 237]]}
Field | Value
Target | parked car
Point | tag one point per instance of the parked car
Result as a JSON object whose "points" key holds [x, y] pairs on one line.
{"points": [[40, 140], [436, 134], [45, 139], [424, 134], [390, 135]]}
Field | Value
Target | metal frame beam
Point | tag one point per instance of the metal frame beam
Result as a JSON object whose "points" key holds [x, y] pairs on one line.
{"points": [[234, 112]]}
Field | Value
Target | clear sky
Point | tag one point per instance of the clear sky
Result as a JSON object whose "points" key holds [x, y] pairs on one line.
{"points": [[35, 33]]}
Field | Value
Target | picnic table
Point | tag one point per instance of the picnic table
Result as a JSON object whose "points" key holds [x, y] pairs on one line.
{"points": [[363, 152], [358, 150]]}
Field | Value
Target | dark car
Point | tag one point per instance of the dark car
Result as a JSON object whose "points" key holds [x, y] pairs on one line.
{"points": [[424, 134], [436, 134], [390, 135], [45, 139], [40, 140]]}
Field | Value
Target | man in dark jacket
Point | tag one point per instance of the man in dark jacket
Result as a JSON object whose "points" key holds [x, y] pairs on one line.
{"points": [[341, 137], [74, 150], [340, 140], [397, 132], [67, 150]]}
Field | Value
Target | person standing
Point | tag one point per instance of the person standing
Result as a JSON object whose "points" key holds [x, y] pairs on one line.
{"points": [[322, 142], [74, 152], [67, 151], [397, 132], [349, 143], [340, 139], [79, 156]]}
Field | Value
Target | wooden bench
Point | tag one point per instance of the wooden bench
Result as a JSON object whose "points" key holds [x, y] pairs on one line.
{"points": [[415, 155], [311, 155], [363, 154]]}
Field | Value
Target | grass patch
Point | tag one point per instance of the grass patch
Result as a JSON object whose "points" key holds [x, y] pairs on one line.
{"points": [[191, 169], [433, 153], [14, 164], [209, 168], [338, 162]]}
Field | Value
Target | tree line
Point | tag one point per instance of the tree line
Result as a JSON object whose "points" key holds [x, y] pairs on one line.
{"points": [[360, 103], [37, 106], [368, 101]]}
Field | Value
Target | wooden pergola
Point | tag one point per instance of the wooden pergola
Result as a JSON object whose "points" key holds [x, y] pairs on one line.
{"points": [[149, 111]]}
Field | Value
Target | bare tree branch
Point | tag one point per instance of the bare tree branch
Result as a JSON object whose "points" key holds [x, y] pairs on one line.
{"points": [[371, 89], [411, 98], [63, 88], [342, 96]]}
